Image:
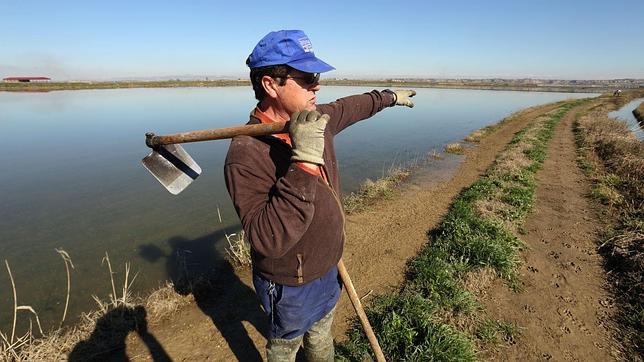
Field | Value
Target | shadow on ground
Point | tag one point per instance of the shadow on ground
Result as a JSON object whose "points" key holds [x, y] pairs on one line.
{"points": [[195, 267], [107, 341]]}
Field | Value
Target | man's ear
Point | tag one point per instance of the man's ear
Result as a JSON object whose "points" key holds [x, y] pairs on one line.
{"points": [[270, 86]]}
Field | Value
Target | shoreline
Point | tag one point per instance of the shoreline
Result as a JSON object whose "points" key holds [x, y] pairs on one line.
{"points": [[639, 113], [503, 85]]}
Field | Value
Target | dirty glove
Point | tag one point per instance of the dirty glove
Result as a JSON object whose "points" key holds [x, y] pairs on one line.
{"points": [[402, 97], [307, 136]]}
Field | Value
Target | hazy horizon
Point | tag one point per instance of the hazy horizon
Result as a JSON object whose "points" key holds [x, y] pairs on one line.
{"points": [[197, 77], [573, 40]]}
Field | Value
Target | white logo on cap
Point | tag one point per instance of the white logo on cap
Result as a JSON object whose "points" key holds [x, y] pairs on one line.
{"points": [[306, 44]]}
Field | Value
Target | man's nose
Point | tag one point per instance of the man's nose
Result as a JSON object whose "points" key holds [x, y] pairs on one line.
{"points": [[315, 87]]}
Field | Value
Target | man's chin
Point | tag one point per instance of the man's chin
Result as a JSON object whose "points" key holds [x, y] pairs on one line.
{"points": [[310, 107]]}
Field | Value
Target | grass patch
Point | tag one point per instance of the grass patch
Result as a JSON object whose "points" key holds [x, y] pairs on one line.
{"points": [[408, 331], [492, 331], [606, 194], [417, 322], [371, 191]]}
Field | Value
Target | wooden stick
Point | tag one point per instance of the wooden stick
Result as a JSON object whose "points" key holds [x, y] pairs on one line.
{"points": [[357, 305], [261, 129]]}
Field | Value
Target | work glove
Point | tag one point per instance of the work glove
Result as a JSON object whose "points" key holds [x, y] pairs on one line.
{"points": [[402, 97], [307, 136]]}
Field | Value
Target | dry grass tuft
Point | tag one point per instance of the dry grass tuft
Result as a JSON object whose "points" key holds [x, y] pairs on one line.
{"points": [[373, 190], [238, 250], [479, 280], [617, 149], [11, 344], [126, 298], [52, 347], [513, 160], [492, 208], [455, 148], [433, 155], [608, 195], [164, 301], [476, 136]]}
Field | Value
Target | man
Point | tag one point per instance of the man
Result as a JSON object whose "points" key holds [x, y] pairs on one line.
{"points": [[286, 187]]}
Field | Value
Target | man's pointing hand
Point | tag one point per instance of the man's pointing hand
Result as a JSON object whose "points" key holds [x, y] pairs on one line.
{"points": [[403, 97]]}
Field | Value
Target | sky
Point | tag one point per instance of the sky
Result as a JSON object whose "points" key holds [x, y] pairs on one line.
{"points": [[106, 40]]}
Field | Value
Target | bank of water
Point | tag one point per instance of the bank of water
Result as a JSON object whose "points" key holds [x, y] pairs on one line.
{"points": [[71, 178], [625, 113]]}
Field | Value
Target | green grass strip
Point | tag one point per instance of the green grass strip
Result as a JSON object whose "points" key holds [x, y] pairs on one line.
{"points": [[408, 323]]}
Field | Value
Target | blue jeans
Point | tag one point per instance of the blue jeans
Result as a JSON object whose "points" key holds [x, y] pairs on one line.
{"points": [[296, 311], [293, 310]]}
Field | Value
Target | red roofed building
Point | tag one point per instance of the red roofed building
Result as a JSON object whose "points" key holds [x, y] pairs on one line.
{"points": [[26, 79]]}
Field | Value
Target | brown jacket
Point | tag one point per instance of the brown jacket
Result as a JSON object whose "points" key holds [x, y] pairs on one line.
{"points": [[293, 219]]}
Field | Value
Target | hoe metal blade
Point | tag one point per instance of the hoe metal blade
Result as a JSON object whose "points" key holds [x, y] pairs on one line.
{"points": [[172, 166]]}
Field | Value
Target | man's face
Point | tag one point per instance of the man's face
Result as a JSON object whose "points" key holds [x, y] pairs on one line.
{"points": [[298, 94]]}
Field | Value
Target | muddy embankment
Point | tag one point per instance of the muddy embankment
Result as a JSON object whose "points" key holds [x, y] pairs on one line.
{"points": [[639, 113], [572, 291]]}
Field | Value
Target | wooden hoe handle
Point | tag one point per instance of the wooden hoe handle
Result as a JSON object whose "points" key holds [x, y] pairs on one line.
{"points": [[357, 305], [261, 129]]}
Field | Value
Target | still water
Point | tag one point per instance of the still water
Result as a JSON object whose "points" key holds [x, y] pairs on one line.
{"points": [[71, 178], [626, 114]]}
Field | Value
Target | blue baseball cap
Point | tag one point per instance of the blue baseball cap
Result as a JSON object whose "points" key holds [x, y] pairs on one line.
{"points": [[290, 47]]}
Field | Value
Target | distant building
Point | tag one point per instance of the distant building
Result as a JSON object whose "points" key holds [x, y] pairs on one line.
{"points": [[25, 79]]}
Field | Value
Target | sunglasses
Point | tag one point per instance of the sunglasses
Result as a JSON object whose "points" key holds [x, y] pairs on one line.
{"points": [[309, 78]]}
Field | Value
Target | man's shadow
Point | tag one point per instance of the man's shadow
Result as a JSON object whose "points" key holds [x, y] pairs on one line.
{"points": [[107, 341], [195, 267]]}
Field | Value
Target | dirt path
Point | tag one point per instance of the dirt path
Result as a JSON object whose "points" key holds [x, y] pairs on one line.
{"points": [[382, 239], [564, 270], [563, 307]]}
